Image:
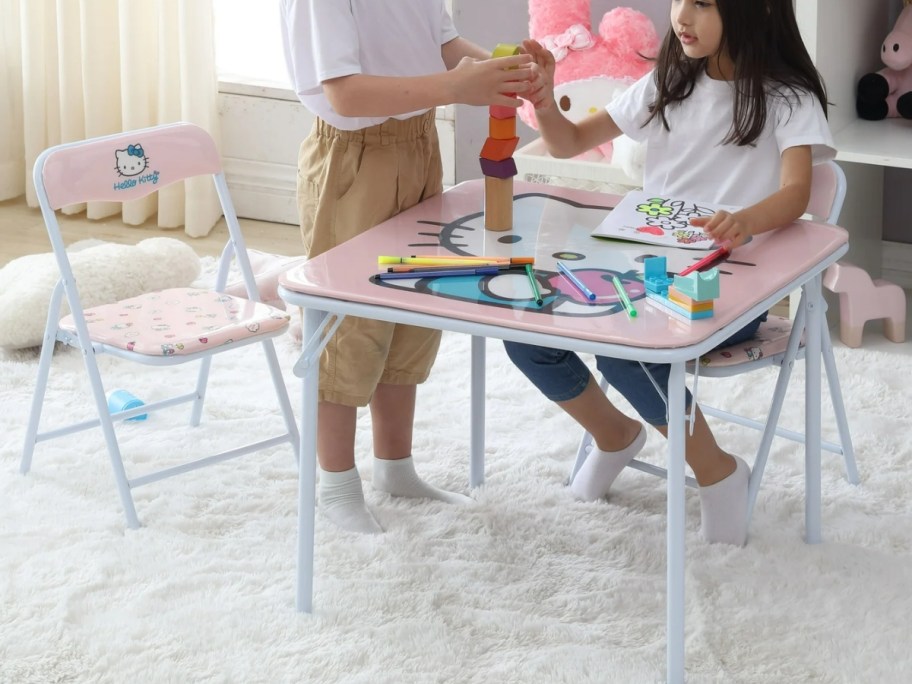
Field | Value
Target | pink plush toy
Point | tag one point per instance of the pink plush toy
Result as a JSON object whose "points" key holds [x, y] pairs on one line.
{"points": [[888, 92], [266, 271], [590, 69]]}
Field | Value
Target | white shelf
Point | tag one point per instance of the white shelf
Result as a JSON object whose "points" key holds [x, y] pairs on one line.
{"points": [[533, 163], [882, 143], [844, 39]]}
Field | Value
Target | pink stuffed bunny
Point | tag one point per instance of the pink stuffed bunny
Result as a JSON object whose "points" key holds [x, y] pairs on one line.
{"points": [[888, 92], [591, 69]]}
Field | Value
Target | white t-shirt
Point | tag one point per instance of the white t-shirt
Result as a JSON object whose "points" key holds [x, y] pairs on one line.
{"points": [[690, 161], [327, 39]]}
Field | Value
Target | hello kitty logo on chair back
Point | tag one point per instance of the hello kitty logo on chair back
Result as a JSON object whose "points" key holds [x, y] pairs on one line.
{"points": [[77, 173], [591, 67]]}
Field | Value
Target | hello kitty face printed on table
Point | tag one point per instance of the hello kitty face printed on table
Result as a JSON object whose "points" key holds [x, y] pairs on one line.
{"points": [[539, 222], [550, 229]]}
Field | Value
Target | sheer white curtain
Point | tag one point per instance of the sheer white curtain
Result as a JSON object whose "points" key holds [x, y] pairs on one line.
{"points": [[75, 69]]}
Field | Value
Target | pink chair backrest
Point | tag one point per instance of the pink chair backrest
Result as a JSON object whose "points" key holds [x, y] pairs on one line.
{"points": [[828, 188], [125, 166]]}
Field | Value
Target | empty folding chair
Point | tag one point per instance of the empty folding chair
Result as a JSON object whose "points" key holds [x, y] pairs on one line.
{"points": [[167, 328]]}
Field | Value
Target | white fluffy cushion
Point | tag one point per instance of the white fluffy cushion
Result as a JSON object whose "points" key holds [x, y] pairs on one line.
{"points": [[104, 273]]}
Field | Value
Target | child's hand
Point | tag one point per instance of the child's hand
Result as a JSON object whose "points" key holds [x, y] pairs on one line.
{"points": [[495, 81], [727, 229], [541, 83]]}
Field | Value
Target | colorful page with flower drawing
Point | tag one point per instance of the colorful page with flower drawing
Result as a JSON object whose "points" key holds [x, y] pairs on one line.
{"points": [[654, 219]]}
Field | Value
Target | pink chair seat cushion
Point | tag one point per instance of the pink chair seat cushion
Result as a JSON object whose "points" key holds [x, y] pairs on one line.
{"points": [[771, 339], [178, 321]]}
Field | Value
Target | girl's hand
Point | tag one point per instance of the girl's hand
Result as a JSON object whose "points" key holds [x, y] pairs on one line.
{"points": [[727, 229], [541, 82]]}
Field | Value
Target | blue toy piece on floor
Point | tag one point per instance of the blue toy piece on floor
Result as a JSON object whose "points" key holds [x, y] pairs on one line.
{"points": [[124, 400]]}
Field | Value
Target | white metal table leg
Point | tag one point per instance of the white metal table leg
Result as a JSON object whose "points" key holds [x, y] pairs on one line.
{"points": [[307, 467], [674, 630], [812, 427], [477, 443]]}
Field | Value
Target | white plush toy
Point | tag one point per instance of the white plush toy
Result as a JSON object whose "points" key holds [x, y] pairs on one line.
{"points": [[104, 273]]}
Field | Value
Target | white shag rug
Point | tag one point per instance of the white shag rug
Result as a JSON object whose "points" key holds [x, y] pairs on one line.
{"points": [[526, 585]]}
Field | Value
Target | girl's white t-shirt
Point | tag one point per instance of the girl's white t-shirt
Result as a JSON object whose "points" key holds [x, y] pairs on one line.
{"points": [[690, 162], [326, 39]]}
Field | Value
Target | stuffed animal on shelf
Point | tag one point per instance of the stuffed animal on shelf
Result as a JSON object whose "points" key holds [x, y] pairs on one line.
{"points": [[591, 68], [888, 92]]}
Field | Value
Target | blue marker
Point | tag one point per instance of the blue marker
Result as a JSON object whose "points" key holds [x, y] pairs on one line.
{"points": [[577, 283]]}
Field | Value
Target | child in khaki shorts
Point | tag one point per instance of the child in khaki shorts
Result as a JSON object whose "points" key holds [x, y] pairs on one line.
{"points": [[373, 152], [344, 188]]}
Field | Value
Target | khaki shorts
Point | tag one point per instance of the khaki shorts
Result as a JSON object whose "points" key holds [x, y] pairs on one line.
{"points": [[349, 181]]}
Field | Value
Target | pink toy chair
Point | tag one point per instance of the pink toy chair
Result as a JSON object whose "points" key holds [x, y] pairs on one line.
{"points": [[779, 341], [166, 328]]}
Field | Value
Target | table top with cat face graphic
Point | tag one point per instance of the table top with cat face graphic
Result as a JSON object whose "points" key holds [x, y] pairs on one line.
{"points": [[554, 224]]}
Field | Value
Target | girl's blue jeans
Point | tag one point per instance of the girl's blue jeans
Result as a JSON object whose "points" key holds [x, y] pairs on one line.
{"points": [[561, 375]]}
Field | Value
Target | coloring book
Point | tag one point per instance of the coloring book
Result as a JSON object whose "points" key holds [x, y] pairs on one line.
{"points": [[654, 219]]}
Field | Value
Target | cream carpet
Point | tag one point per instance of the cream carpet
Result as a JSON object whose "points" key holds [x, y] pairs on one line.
{"points": [[526, 585]]}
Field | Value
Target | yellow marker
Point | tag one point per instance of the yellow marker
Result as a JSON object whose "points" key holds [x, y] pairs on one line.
{"points": [[512, 260], [440, 261]]}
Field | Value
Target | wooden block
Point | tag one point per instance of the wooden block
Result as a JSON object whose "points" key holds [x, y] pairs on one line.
{"points": [[498, 150], [506, 168], [502, 129], [502, 112], [498, 203], [505, 50]]}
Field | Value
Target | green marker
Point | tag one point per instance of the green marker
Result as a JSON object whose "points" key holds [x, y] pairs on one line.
{"points": [[622, 293], [536, 295]]}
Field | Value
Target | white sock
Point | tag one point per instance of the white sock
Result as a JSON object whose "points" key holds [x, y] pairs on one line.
{"points": [[601, 468], [723, 508], [398, 477], [342, 501]]}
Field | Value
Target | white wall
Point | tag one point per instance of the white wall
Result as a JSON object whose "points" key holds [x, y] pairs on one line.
{"points": [[261, 130]]}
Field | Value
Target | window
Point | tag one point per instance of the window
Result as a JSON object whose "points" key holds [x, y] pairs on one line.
{"points": [[248, 43]]}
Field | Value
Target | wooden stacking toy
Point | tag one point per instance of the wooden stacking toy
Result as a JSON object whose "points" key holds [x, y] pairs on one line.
{"points": [[496, 159]]}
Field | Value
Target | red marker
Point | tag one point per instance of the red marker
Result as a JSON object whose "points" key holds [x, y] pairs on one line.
{"points": [[709, 259]]}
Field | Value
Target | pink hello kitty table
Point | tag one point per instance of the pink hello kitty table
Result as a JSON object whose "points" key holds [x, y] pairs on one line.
{"points": [[554, 224]]}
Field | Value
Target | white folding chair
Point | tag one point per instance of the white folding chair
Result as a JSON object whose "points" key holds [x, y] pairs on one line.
{"points": [[778, 341], [165, 328]]}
